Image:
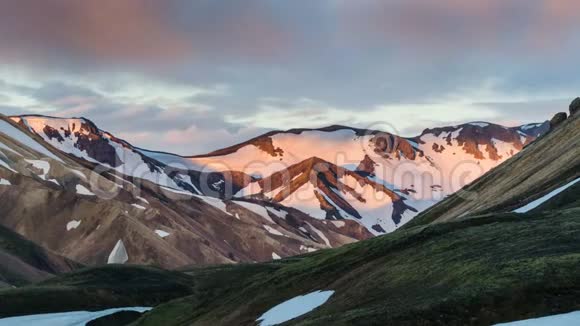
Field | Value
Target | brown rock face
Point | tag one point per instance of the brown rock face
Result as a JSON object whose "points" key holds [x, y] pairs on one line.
{"points": [[366, 167], [575, 106], [557, 120]]}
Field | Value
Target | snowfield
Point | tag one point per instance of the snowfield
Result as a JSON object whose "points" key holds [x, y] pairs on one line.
{"points": [[74, 318], [23, 138], [294, 307], [571, 319]]}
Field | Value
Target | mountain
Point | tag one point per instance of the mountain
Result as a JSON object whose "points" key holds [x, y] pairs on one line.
{"points": [[389, 179], [477, 270], [487, 267], [541, 168], [496, 264], [92, 213], [23, 262], [377, 179]]}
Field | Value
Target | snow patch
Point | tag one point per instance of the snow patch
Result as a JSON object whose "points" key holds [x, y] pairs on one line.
{"points": [[339, 224], [479, 124], [181, 192], [280, 213], [257, 209], [73, 318], [275, 256], [4, 182], [294, 308], [142, 199], [162, 233], [215, 202], [41, 165], [536, 203], [119, 254], [73, 225], [320, 234], [82, 190], [273, 231], [4, 164], [307, 249], [569, 319], [139, 206]]}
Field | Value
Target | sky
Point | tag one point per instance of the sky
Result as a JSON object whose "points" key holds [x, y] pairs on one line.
{"points": [[191, 76]]}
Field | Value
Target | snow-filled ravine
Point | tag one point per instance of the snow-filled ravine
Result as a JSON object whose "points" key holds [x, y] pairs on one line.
{"points": [[294, 308], [571, 319], [536, 203], [74, 318]]}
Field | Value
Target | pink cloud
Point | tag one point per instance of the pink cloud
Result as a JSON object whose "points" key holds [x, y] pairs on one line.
{"points": [[444, 25], [133, 32]]}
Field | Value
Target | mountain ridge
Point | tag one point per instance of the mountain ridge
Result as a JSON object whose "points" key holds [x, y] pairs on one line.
{"points": [[373, 154]]}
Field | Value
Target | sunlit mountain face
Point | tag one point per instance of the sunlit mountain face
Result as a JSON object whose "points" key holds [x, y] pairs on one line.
{"points": [[376, 179]]}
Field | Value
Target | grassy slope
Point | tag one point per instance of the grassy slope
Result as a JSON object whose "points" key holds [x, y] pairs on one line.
{"points": [[96, 289], [544, 165], [478, 271]]}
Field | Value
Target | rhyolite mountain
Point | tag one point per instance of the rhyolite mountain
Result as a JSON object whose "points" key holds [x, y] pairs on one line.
{"points": [[90, 212], [469, 260], [377, 179]]}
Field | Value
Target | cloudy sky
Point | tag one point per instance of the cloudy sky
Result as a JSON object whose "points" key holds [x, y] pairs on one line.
{"points": [[191, 76]]}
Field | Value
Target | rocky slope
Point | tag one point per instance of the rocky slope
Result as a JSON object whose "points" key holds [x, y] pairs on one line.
{"points": [[377, 179], [23, 262], [92, 213]]}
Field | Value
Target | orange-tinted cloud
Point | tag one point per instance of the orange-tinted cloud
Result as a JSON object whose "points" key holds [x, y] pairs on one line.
{"points": [[133, 31], [448, 25]]}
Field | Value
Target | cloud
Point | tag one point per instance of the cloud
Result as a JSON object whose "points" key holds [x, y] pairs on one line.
{"points": [[485, 103], [447, 26], [192, 75], [112, 34]]}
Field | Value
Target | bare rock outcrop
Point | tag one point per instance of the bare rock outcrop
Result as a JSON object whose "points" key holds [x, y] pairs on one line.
{"points": [[575, 106], [558, 119]]}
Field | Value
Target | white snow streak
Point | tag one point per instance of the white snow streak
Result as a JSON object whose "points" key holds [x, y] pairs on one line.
{"points": [[74, 318], [273, 231], [294, 307], [556, 320], [536, 203]]}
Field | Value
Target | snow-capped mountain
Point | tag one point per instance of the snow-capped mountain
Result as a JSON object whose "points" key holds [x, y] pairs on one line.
{"points": [[544, 169], [375, 178], [82, 139], [92, 213]]}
